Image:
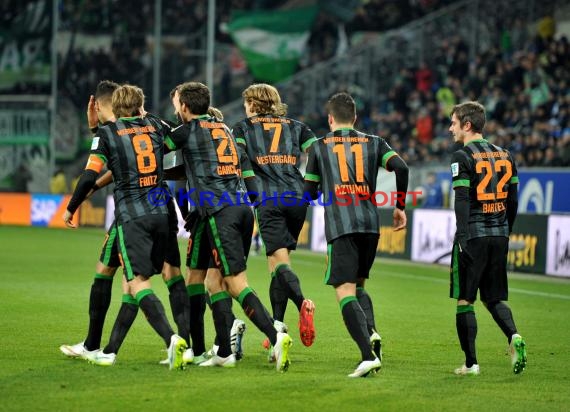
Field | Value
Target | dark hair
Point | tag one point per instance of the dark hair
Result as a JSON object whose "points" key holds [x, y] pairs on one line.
{"points": [[472, 112], [105, 90], [196, 96], [342, 107], [173, 91]]}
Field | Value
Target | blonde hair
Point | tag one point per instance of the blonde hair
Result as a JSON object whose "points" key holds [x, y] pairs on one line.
{"points": [[264, 99], [215, 112], [127, 101]]}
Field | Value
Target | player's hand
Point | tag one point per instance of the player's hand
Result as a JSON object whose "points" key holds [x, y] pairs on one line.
{"points": [[67, 217], [92, 118], [400, 220], [465, 257]]}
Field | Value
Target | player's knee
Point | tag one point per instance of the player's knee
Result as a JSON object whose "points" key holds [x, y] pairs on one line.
{"points": [[213, 284], [169, 272], [106, 270]]}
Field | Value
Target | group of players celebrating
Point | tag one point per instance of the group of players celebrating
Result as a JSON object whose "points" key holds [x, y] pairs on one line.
{"points": [[260, 154]]}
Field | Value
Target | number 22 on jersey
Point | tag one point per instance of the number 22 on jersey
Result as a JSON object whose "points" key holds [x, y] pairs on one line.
{"points": [[487, 169], [225, 143]]}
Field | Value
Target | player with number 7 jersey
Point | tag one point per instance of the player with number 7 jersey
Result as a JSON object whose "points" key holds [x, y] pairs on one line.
{"points": [[211, 160]]}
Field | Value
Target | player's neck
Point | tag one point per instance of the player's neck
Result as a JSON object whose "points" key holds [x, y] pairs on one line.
{"points": [[475, 136], [193, 116], [339, 126]]}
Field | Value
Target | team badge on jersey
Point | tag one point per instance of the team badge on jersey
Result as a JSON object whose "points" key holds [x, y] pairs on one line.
{"points": [[455, 169], [95, 143]]}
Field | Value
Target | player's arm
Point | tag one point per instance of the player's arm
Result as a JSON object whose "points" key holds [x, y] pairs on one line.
{"points": [[513, 197], [167, 128], [104, 180], [392, 162], [174, 137], [95, 163], [461, 183], [307, 138], [312, 176], [400, 168], [239, 135], [249, 178], [248, 175]]}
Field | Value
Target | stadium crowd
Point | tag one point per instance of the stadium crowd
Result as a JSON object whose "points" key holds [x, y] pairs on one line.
{"points": [[522, 81], [524, 91]]}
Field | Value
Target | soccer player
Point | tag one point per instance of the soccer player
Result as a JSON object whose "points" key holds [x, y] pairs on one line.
{"points": [[211, 158], [200, 270], [133, 148], [345, 164], [485, 182], [99, 110], [273, 144]]}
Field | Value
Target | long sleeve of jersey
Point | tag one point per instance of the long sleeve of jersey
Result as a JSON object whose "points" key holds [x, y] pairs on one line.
{"points": [[512, 205], [84, 185], [312, 176], [400, 168], [462, 211]]}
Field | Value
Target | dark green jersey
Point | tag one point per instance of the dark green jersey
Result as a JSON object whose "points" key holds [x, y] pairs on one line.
{"points": [[133, 149], [487, 170], [211, 161], [346, 163], [274, 144]]}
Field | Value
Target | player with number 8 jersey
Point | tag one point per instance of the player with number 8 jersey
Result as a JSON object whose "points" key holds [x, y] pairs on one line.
{"points": [[133, 148], [138, 145]]}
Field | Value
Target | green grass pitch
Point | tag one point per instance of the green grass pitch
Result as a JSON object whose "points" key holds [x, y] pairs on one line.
{"points": [[46, 276]]}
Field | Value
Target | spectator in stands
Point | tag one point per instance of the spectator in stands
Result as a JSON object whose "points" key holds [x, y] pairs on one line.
{"points": [[522, 81], [432, 192], [58, 183]]}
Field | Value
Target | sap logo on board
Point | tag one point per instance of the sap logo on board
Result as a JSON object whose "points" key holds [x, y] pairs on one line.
{"points": [[44, 207]]}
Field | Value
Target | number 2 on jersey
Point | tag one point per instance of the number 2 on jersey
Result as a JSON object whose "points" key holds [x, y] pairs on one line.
{"points": [[225, 143], [342, 162], [146, 160], [487, 168]]}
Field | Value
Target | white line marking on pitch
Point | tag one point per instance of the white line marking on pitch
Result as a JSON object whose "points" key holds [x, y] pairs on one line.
{"points": [[438, 280]]}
